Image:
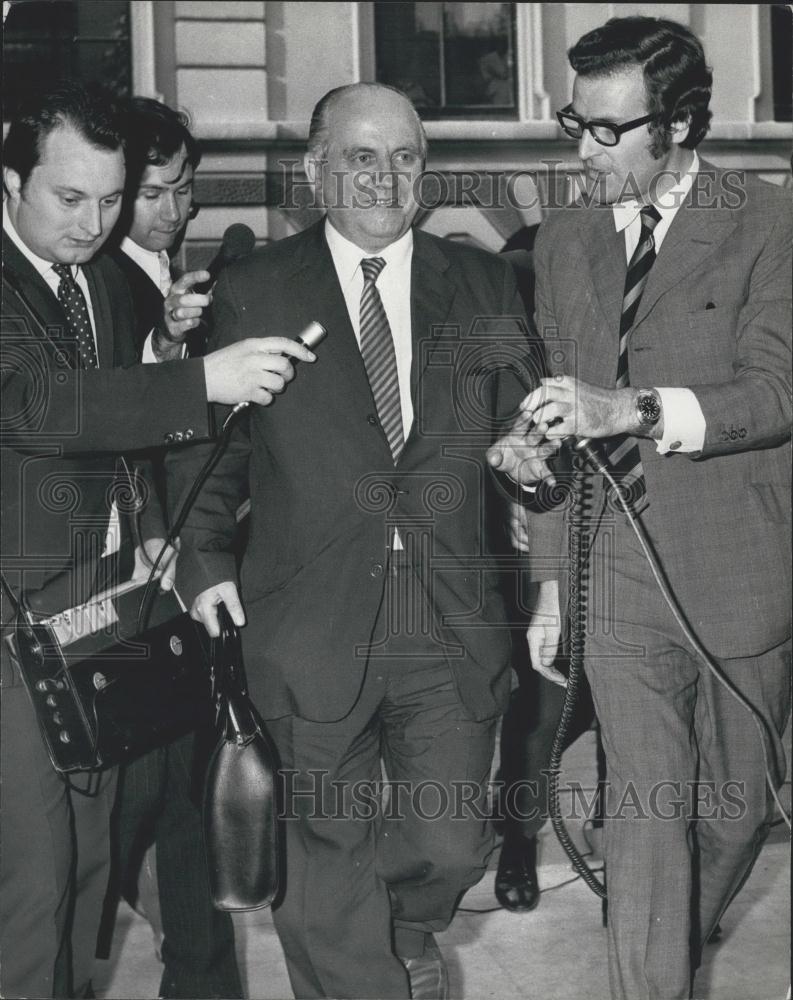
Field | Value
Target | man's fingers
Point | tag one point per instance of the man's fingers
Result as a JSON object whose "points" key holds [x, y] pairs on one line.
{"points": [[261, 396], [543, 647], [205, 606], [234, 607], [283, 345], [169, 572], [187, 280]]}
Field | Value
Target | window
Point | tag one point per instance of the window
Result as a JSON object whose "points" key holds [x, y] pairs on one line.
{"points": [[451, 59], [782, 60], [65, 39]]}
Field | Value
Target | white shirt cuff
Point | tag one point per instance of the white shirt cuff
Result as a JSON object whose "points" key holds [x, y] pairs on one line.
{"points": [[684, 422], [148, 357]]}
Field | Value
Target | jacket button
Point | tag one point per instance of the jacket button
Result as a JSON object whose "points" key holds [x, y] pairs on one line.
{"points": [[372, 419], [188, 433], [178, 436], [376, 569], [169, 438], [675, 445]]}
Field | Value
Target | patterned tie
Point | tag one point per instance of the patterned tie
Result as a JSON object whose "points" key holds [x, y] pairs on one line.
{"points": [[379, 357], [165, 273], [71, 297], [622, 450]]}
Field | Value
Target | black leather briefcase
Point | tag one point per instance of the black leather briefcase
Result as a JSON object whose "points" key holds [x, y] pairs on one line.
{"points": [[104, 695], [241, 827]]}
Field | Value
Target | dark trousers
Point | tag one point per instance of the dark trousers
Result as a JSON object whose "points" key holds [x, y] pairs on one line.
{"points": [[687, 806], [366, 880], [157, 803], [527, 734], [54, 858]]}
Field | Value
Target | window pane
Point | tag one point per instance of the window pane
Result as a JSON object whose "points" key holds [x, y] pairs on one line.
{"points": [[66, 39], [782, 60], [479, 58], [449, 58]]}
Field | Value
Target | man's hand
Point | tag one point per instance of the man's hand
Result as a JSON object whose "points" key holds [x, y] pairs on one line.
{"points": [[522, 452], [146, 556], [518, 527], [563, 406], [252, 370], [544, 631], [204, 607], [182, 308]]}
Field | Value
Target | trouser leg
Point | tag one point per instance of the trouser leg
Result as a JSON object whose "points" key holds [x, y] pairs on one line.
{"points": [[198, 945], [735, 803], [527, 734], [36, 855], [91, 817], [334, 920]]}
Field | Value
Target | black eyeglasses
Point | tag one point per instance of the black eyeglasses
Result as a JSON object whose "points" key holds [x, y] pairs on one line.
{"points": [[606, 133]]}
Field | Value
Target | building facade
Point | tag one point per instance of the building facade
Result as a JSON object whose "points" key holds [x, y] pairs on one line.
{"points": [[487, 77]]}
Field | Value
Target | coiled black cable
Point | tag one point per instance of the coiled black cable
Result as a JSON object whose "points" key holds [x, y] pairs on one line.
{"points": [[578, 585]]}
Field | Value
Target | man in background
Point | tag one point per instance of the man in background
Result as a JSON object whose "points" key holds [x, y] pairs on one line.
{"points": [[160, 793]]}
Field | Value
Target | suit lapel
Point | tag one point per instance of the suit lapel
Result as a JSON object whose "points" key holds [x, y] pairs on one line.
{"points": [[314, 282], [694, 235], [49, 320], [103, 322], [432, 295], [605, 248]]}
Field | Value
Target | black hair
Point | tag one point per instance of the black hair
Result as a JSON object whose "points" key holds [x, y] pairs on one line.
{"points": [[88, 109], [154, 134], [677, 80]]}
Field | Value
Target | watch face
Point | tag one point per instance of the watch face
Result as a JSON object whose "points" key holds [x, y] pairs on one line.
{"points": [[649, 408]]}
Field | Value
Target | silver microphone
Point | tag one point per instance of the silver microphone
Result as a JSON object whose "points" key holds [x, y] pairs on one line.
{"points": [[310, 337]]}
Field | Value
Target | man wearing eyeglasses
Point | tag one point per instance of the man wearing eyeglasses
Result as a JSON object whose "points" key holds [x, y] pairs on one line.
{"points": [[665, 294]]}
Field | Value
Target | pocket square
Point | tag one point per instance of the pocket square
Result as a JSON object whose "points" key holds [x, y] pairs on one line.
{"points": [[710, 305]]}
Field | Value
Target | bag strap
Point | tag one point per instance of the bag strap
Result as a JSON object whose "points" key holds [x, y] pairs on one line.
{"points": [[235, 715]]}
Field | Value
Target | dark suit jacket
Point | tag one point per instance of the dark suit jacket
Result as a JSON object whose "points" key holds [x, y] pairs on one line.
{"points": [[63, 428], [148, 304], [715, 317], [325, 493], [147, 299]]}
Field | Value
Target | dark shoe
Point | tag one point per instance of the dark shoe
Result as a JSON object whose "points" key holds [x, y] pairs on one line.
{"points": [[429, 977], [517, 888]]}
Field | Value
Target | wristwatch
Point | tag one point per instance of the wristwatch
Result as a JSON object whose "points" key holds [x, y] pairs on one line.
{"points": [[648, 407]]}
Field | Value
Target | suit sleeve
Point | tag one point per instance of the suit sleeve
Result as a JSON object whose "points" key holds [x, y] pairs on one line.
{"points": [[545, 527], [206, 557], [46, 403], [753, 409]]}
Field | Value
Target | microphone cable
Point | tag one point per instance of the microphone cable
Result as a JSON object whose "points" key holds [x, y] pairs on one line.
{"points": [[310, 337], [577, 618]]}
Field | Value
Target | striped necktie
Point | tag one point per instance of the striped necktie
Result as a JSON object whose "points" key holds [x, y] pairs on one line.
{"points": [[379, 357], [623, 450], [71, 297], [165, 273]]}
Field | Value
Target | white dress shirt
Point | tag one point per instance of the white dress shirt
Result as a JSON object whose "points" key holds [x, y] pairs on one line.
{"points": [[684, 422], [156, 265], [393, 284]]}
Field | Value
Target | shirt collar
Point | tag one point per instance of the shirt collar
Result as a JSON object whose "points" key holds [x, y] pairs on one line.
{"points": [[41, 265], [668, 204], [147, 260], [347, 256]]}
